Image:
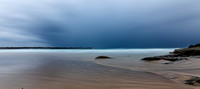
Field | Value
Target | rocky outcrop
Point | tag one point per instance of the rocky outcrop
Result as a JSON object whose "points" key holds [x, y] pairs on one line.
{"points": [[103, 57], [186, 52], [178, 54], [195, 81], [192, 50], [166, 58], [194, 46]]}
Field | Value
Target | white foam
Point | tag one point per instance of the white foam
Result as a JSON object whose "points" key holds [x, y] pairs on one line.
{"points": [[91, 50]]}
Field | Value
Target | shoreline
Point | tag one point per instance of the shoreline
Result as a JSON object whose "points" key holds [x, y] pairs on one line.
{"points": [[180, 66], [72, 71], [155, 72], [177, 75]]}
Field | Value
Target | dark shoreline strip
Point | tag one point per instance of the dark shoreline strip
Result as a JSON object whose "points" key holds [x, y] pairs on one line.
{"points": [[45, 48]]}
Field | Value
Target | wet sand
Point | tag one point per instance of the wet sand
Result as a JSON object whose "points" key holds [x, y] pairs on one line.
{"points": [[178, 71], [58, 70]]}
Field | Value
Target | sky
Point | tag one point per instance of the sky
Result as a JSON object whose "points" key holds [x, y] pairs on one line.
{"points": [[100, 23]]}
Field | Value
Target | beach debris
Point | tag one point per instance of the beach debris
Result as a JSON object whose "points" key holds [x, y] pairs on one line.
{"points": [[103, 57], [195, 81]]}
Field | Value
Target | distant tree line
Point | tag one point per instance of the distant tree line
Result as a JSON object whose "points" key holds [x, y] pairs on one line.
{"points": [[45, 47]]}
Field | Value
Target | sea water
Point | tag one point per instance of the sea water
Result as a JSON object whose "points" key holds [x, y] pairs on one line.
{"points": [[78, 69]]}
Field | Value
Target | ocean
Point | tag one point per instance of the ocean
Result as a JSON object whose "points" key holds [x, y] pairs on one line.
{"points": [[78, 69]]}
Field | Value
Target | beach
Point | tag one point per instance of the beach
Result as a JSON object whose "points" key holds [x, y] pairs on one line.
{"points": [[78, 69]]}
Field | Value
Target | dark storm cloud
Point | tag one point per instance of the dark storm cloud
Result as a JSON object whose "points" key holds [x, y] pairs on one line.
{"points": [[100, 23]]}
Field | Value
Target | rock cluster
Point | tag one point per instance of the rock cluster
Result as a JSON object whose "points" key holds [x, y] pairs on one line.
{"points": [[166, 58], [192, 50], [186, 52], [195, 81], [178, 54]]}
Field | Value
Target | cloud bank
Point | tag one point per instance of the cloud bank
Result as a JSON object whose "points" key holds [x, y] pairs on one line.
{"points": [[100, 23]]}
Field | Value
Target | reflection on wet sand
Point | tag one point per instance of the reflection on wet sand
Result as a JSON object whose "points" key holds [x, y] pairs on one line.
{"points": [[60, 71]]}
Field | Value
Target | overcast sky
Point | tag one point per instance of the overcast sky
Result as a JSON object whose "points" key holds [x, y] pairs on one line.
{"points": [[100, 23]]}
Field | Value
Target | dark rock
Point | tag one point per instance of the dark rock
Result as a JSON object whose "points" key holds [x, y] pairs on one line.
{"points": [[151, 59], [103, 57], [193, 81], [194, 46], [168, 63], [167, 58], [178, 54], [192, 50], [173, 59], [186, 52]]}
